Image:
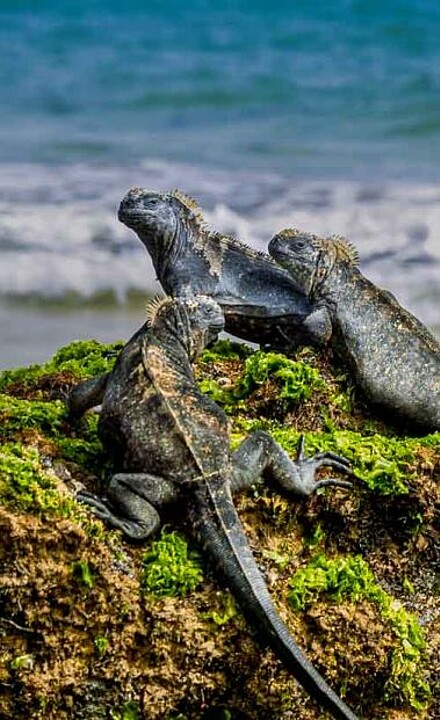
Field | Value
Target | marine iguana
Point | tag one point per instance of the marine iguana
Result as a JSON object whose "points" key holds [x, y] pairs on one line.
{"points": [[170, 443], [393, 357], [259, 299]]}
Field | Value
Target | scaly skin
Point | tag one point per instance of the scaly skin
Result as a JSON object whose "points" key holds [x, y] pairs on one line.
{"points": [[258, 298], [394, 359], [170, 443]]}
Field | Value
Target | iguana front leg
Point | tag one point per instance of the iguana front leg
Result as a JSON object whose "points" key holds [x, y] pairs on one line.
{"points": [[85, 395], [260, 455], [133, 499]]}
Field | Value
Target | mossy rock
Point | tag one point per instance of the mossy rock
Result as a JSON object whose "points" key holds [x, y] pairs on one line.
{"points": [[92, 627]]}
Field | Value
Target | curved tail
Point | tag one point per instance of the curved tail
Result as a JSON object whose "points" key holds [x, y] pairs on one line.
{"points": [[218, 528]]}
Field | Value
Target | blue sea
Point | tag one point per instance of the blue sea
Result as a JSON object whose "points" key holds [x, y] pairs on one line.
{"points": [[323, 116]]}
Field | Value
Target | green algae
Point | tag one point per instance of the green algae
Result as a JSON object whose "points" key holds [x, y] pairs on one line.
{"points": [[29, 484], [129, 711], [82, 571], [18, 414], [226, 350], [81, 358], [25, 485], [295, 380], [351, 578], [385, 463], [169, 567], [226, 610], [101, 644]]}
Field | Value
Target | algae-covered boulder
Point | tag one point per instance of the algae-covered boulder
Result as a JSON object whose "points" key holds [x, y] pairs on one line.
{"points": [[93, 627]]}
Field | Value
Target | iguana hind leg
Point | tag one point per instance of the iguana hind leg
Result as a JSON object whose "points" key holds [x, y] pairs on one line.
{"points": [[135, 496], [260, 455]]}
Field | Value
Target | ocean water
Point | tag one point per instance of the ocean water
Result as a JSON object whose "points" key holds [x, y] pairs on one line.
{"points": [[324, 117]]}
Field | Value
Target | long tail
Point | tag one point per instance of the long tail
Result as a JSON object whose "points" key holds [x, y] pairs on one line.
{"points": [[218, 528]]}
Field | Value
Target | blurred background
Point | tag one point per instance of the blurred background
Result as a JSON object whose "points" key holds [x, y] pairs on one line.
{"points": [[324, 116]]}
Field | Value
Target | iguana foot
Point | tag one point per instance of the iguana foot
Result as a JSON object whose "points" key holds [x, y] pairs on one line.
{"points": [[307, 467], [138, 527], [260, 455]]}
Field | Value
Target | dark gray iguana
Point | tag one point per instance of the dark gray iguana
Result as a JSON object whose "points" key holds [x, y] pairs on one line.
{"points": [[259, 299], [393, 357], [170, 443]]}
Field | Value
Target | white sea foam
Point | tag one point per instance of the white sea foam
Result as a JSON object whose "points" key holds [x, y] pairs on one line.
{"points": [[59, 231]]}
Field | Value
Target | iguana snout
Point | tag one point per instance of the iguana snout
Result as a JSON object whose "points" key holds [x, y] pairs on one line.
{"points": [[297, 252], [144, 210], [154, 219]]}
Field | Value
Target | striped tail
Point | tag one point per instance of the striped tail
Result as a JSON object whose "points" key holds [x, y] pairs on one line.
{"points": [[218, 528]]}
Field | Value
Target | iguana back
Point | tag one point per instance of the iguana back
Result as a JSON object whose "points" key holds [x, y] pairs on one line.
{"points": [[258, 298], [393, 357]]}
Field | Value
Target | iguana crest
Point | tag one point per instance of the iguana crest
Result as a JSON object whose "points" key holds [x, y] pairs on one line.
{"points": [[344, 249], [190, 204], [336, 244], [154, 305]]}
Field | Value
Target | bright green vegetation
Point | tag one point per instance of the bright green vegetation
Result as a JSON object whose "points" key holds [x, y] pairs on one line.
{"points": [[226, 350], [129, 711], [296, 381], [226, 611], [25, 484], [350, 578], [28, 485], [101, 644], [82, 358], [383, 463], [17, 414], [170, 568], [82, 571], [36, 435]]}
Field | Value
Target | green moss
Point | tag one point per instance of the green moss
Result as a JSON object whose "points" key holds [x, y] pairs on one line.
{"points": [[86, 358], [169, 567], [82, 571], [82, 358], [101, 644], [25, 485], [89, 455], [383, 463], [226, 350], [226, 611], [351, 578], [17, 414], [23, 662], [296, 381], [129, 711]]}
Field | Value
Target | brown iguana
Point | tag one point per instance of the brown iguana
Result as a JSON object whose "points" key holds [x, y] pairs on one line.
{"points": [[393, 357], [170, 443], [259, 299]]}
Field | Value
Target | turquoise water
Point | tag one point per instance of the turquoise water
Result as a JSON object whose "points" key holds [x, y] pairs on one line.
{"points": [[325, 116], [347, 88]]}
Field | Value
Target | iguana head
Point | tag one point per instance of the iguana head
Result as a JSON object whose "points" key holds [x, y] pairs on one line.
{"points": [[309, 258], [158, 219], [194, 321]]}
